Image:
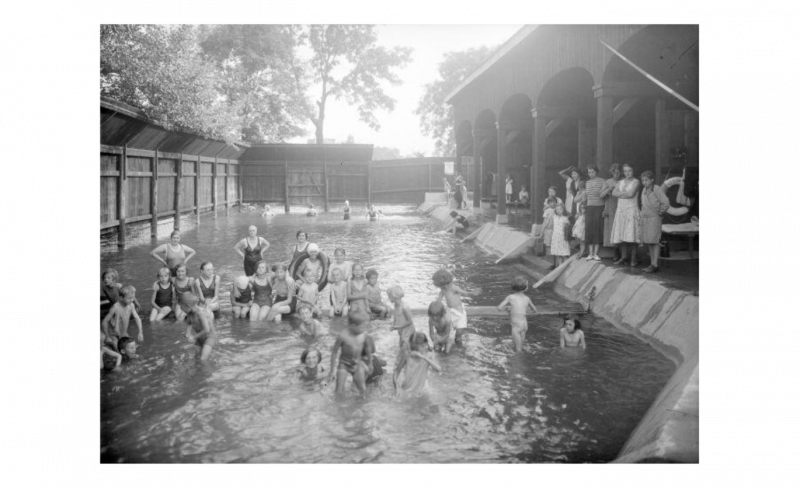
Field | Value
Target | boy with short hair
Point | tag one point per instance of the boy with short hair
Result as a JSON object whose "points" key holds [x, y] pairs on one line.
{"points": [[441, 328], [374, 300], [403, 321], [200, 328], [456, 312], [127, 348], [309, 325], [518, 304], [339, 305], [355, 345], [121, 314]]}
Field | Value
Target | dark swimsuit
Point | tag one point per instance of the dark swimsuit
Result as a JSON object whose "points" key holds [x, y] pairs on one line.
{"points": [[262, 295], [245, 296], [165, 296], [251, 258], [347, 213], [181, 290], [282, 298], [297, 253], [208, 292], [373, 216]]}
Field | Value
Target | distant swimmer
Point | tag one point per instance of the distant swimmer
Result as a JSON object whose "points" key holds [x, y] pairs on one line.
{"points": [[311, 212], [373, 215], [346, 210], [267, 212]]}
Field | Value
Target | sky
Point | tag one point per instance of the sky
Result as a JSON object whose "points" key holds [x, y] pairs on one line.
{"points": [[401, 128]]}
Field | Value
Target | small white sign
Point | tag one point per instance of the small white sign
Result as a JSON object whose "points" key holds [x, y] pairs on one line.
{"points": [[449, 168]]}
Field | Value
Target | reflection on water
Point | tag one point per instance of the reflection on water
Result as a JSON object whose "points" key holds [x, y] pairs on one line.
{"points": [[488, 405]]}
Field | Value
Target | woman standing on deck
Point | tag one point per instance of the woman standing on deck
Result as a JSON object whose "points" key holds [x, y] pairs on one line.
{"points": [[252, 249], [627, 230], [654, 204], [594, 213], [572, 177], [174, 252], [611, 206]]}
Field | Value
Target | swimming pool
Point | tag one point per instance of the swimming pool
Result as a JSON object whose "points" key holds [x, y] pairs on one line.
{"points": [[488, 405]]}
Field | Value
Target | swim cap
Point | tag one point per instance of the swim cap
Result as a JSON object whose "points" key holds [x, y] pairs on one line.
{"points": [[313, 248], [241, 282]]}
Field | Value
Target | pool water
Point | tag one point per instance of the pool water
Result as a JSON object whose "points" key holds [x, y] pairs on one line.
{"points": [[489, 404]]}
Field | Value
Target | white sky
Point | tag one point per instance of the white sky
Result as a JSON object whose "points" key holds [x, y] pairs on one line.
{"points": [[401, 128]]}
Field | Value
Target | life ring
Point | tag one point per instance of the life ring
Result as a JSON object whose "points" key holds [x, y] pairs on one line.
{"points": [[676, 211], [323, 281]]}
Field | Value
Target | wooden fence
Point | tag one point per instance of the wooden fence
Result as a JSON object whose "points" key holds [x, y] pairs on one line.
{"points": [[328, 183], [139, 185]]}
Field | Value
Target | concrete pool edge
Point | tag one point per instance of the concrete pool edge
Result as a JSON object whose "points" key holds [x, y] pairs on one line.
{"points": [[667, 319]]}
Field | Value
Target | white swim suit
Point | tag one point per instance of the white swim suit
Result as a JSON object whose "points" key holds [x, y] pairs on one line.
{"points": [[458, 317]]}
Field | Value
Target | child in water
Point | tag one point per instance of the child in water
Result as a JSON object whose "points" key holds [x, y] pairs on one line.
{"points": [[241, 297], [374, 299], [163, 295], [416, 364], [309, 325], [311, 212], [312, 262], [284, 300], [111, 287], [311, 359], [207, 287], [451, 293], [403, 321], [572, 335], [267, 212], [355, 345], [356, 290], [127, 348], [338, 295], [518, 305], [340, 263], [120, 315], [372, 214], [182, 283], [441, 328], [200, 328], [457, 221], [346, 210], [109, 359], [308, 292]]}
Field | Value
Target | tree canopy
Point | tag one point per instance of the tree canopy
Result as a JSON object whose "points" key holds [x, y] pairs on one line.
{"points": [[436, 116]]}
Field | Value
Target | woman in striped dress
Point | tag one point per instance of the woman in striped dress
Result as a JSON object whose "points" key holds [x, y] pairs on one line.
{"points": [[594, 213]]}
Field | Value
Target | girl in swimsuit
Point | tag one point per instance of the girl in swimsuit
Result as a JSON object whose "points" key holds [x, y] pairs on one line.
{"points": [[572, 335], [207, 287], [241, 297], [284, 300], [175, 253], [262, 292], [163, 296], [416, 363], [251, 249], [182, 284], [110, 289], [356, 290]]}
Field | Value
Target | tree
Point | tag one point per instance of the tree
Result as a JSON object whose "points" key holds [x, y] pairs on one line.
{"points": [[255, 65], [346, 63], [158, 69], [436, 116]]}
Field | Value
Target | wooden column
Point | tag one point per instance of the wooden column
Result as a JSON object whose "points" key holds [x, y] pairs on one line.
{"points": [[239, 177], [214, 188], [538, 169], [154, 197], [178, 191], [662, 138], [286, 185], [325, 178], [369, 185], [197, 167], [227, 193], [605, 133], [500, 182], [477, 185], [122, 196]]}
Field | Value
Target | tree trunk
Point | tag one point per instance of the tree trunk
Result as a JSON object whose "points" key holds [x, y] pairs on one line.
{"points": [[320, 138]]}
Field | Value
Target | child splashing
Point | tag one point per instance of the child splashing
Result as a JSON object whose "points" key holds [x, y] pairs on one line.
{"points": [[457, 314]]}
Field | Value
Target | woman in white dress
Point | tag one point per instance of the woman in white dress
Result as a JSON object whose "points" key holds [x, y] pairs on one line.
{"points": [[627, 232]]}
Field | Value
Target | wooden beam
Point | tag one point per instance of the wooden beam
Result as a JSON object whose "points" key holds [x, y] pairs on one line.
{"points": [[178, 191], [564, 112], [142, 153], [622, 108], [154, 197], [605, 133], [214, 186], [553, 125], [111, 149], [628, 89], [122, 197], [227, 193], [325, 178], [662, 137], [196, 188], [286, 185]]}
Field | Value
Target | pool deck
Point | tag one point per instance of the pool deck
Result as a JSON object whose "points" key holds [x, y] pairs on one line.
{"points": [[661, 309]]}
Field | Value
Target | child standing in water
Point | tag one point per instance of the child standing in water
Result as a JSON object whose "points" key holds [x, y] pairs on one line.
{"points": [[313, 262], [308, 291], [356, 290], [120, 315], [311, 212], [309, 325], [200, 328], [416, 364], [441, 328], [403, 321], [163, 296], [241, 297], [355, 345], [457, 314], [182, 283], [339, 262], [338, 295], [518, 305], [374, 299], [572, 335]]}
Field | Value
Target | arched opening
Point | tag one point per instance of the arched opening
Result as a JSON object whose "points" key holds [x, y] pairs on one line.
{"points": [[464, 150], [517, 122], [485, 140]]}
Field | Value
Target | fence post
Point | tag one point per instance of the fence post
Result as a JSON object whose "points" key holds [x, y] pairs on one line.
{"points": [[122, 196], [197, 167], [178, 191], [286, 184], [325, 177], [239, 172], [154, 196], [227, 193], [214, 188]]}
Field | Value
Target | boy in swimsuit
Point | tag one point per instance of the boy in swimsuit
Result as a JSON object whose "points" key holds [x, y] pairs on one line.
{"points": [[403, 321], [346, 267], [309, 325], [338, 294], [355, 345], [200, 328], [308, 292], [456, 312], [518, 304], [416, 364], [572, 335], [121, 314], [374, 300], [441, 328], [127, 348]]}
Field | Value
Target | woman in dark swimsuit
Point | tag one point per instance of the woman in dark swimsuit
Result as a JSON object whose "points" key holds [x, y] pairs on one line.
{"points": [[262, 292], [252, 249], [300, 247], [188, 285]]}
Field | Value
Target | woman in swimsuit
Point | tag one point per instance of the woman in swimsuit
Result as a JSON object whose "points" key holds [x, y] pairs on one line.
{"points": [[283, 291], [207, 287], [174, 252], [262, 292], [182, 284], [300, 247], [251, 249]]}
